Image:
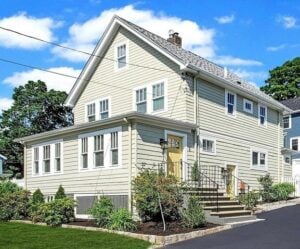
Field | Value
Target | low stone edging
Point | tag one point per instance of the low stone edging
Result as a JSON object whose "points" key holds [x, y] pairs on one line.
{"points": [[275, 205], [153, 239]]}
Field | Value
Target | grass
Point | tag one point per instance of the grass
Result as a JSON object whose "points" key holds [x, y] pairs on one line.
{"points": [[27, 236]]}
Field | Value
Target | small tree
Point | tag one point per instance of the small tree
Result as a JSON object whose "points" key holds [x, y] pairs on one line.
{"points": [[266, 182], [38, 197], [195, 172], [60, 194], [101, 211]]}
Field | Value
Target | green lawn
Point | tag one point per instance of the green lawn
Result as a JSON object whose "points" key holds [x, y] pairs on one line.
{"points": [[26, 236]]}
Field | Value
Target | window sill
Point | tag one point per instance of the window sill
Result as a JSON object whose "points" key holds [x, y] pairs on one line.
{"points": [[101, 168], [208, 153], [47, 174], [258, 168]]}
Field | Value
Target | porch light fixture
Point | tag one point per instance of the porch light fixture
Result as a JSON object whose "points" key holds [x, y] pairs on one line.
{"points": [[163, 143]]}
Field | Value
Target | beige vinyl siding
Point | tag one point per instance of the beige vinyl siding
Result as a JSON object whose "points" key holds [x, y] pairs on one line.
{"points": [[108, 181], [119, 84]]}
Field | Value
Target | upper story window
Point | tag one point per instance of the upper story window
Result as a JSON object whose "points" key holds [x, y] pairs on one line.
{"points": [[141, 100], [208, 146], [262, 115], [287, 122], [230, 101], [57, 157], [259, 159], [295, 144], [158, 93], [99, 151], [114, 148], [46, 159], [91, 112], [84, 152], [36, 166], [121, 55], [248, 106], [104, 108]]}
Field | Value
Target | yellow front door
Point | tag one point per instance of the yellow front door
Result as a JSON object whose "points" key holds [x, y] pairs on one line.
{"points": [[230, 181], [174, 156]]}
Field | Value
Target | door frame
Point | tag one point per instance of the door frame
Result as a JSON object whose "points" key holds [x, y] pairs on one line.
{"points": [[295, 177], [235, 173], [184, 148]]}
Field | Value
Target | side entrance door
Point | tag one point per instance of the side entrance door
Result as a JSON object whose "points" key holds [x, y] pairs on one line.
{"points": [[174, 156]]}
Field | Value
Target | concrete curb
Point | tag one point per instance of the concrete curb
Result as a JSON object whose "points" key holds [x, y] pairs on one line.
{"points": [[156, 240], [276, 205]]}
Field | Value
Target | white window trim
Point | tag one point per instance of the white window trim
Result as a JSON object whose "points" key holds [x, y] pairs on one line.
{"points": [[226, 103], [247, 101], [266, 116], [107, 154], [290, 122], [97, 108], [117, 69], [149, 96], [52, 158], [258, 150], [291, 139], [86, 111], [214, 147]]}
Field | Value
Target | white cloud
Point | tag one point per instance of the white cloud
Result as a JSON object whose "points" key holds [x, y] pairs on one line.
{"points": [[39, 27], [5, 103], [83, 36], [251, 76], [53, 81], [227, 60], [225, 19], [276, 48], [287, 21]]}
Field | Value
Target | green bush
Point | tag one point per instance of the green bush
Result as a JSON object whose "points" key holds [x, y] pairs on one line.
{"points": [[38, 197], [14, 205], [250, 200], [149, 187], [121, 220], [60, 194], [56, 212], [193, 216], [266, 182], [101, 211], [8, 187], [195, 172], [282, 191]]}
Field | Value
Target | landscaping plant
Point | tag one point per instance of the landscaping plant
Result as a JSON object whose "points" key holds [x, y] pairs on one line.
{"points": [[101, 211], [36, 200], [8, 187], [282, 191], [193, 216], [60, 194], [121, 220], [195, 172], [266, 182], [250, 200]]}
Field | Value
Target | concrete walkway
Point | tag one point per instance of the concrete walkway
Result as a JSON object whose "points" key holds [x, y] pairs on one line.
{"points": [[280, 230]]}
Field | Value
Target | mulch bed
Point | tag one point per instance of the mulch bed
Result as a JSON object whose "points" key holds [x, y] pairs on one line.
{"points": [[153, 228]]}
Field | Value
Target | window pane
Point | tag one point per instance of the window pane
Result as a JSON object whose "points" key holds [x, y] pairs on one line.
{"points": [[57, 164], [104, 115], [295, 144], [286, 122], [99, 159], [122, 62], [104, 109], [262, 120], [47, 166], [114, 157], [254, 158], [142, 107], [84, 161], [36, 167], [230, 109], [158, 104], [262, 159]]}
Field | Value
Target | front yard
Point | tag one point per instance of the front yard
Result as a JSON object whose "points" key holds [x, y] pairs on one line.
{"points": [[26, 236]]}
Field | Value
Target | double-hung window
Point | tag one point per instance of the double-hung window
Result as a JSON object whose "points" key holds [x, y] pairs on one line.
{"points": [[287, 122], [84, 153], [46, 158], [121, 56], [230, 103], [104, 108], [248, 106], [99, 151], [114, 148], [259, 160], [141, 100], [91, 112], [158, 97], [262, 115], [295, 144], [57, 157], [36, 164], [208, 145]]}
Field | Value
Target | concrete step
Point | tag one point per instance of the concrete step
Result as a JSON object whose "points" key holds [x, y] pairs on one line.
{"points": [[204, 193], [226, 202], [222, 214], [199, 189], [214, 198], [224, 208]]}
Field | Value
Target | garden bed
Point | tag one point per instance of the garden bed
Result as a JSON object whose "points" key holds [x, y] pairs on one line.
{"points": [[151, 228]]}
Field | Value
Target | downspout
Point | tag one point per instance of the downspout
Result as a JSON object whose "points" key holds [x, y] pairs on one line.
{"points": [[195, 119], [25, 166], [279, 152], [130, 165]]}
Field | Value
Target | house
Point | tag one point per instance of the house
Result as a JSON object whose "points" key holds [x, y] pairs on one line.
{"points": [[2, 159], [291, 125], [143, 101]]}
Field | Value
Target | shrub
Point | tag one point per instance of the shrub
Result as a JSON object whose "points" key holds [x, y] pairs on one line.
{"points": [[250, 200], [193, 216], [14, 205], [266, 182], [101, 211], [60, 194], [282, 191], [121, 219], [149, 187], [8, 187], [56, 212], [38, 197], [195, 172]]}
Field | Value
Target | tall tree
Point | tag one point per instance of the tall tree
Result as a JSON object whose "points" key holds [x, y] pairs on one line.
{"points": [[34, 110], [284, 81]]}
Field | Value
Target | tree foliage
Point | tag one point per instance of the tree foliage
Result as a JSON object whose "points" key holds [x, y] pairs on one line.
{"points": [[34, 110], [284, 81], [60, 193]]}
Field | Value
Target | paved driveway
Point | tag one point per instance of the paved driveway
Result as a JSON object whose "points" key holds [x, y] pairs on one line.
{"points": [[280, 230]]}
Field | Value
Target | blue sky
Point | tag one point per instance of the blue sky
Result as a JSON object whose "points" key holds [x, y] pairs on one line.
{"points": [[250, 37]]}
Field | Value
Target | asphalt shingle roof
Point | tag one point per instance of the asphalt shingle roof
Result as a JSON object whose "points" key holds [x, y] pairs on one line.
{"points": [[293, 104], [187, 57]]}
